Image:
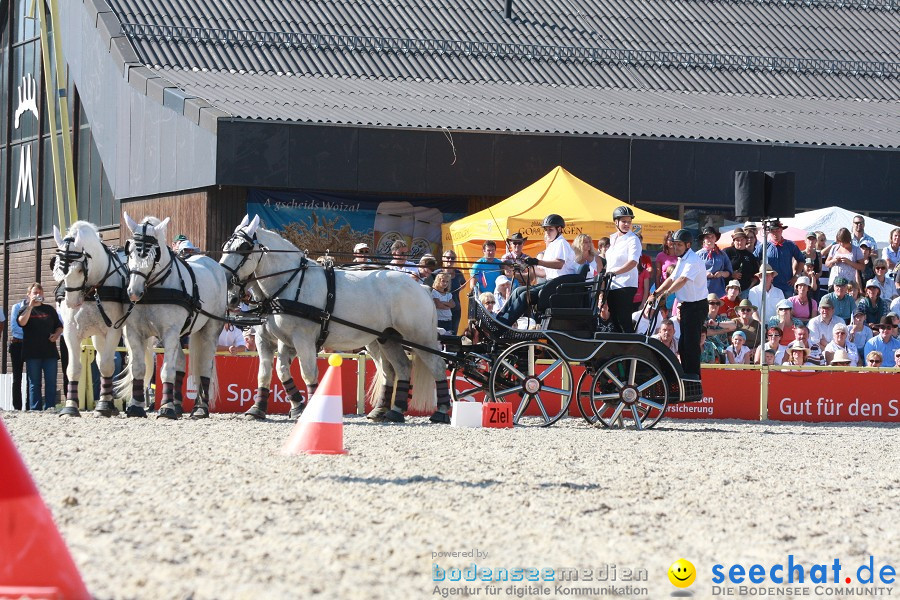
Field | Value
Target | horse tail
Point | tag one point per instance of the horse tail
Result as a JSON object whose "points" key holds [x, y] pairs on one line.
{"points": [[376, 386], [122, 385], [213, 385], [424, 395]]}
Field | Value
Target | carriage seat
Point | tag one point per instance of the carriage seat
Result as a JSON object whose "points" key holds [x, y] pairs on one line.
{"points": [[572, 306]]}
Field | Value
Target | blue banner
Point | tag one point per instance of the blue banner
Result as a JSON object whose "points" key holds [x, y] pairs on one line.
{"points": [[318, 222]]}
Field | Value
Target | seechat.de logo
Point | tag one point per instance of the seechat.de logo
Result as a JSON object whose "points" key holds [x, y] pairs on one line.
{"points": [[682, 573]]}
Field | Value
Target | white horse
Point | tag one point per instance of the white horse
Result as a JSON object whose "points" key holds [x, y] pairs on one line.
{"points": [[94, 278], [176, 296], [389, 305]]}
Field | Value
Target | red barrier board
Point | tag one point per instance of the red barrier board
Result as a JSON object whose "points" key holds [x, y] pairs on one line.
{"points": [[237, 384], [727, 394], [834, 396]]}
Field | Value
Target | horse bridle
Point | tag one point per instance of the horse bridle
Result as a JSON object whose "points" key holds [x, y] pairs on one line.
{"points": [[245, 250], [144, 244], [66, 257]]}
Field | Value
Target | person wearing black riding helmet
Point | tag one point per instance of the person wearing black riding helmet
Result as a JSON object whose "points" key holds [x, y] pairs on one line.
{"points": [[558, 259], [622, 260], [688, 283]]}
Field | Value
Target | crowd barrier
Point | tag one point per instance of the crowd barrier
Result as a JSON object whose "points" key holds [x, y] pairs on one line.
{"points": [[744, 392]]}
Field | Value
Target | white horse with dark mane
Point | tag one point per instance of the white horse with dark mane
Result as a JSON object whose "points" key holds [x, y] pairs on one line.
{"points": [[377, 309], [176, 296], [94, 279]]}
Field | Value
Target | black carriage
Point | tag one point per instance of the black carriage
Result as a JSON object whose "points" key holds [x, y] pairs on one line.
{"points": [[628, 379]]}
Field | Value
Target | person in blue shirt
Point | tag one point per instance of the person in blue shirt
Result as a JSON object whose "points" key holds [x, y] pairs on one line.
{"points": [[486, 269], [782, 255], [15, 352], [884, 342], [718, 265], [841, 299]]}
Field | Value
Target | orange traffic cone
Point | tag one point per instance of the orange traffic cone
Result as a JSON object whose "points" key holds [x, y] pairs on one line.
{"points": [[320, 429], [36, 562]]}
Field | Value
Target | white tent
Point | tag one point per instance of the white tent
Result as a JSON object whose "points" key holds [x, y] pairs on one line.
{"points": [[829, 220]]}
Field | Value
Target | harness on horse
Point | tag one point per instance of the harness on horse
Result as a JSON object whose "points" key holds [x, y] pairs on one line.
{"points": [[147, 248], [275, 305], [98, 292]]}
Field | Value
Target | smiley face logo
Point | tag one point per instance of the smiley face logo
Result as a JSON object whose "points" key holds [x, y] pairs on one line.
{"points": [[682, 573]]}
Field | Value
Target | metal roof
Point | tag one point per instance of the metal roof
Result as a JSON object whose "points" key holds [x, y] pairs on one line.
{"points": [[791, 71]]}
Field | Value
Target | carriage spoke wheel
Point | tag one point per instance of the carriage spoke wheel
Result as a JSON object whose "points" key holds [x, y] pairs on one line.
{"points": [[583, 391], [469, 380], [536, 374], [628, 391]]}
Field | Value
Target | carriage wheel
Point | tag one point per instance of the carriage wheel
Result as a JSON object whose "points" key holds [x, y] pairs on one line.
{"points": [[469, 380], [536, 374], [583, 391], [628, 390]]}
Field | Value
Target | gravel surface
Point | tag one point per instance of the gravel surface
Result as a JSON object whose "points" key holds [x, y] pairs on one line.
{"points": [[209, 509]]}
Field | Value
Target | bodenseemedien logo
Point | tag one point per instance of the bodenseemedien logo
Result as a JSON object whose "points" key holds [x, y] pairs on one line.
{"points": [[682, 573]]}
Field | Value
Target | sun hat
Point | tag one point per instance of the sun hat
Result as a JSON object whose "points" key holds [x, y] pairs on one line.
{"points": [[711, 297], [809, 261], [516, 237], [187, 245], [769, 269], [811, 235], [774, 223], [784, 304], [734, 283], [360, 246], [501, 279], [840, 357], [751, 225], [710, 231], [872, 283], [841, 281], [740, 333], [738, 234], [826, 302], [745, 303], [803, 280], [798, 346]]}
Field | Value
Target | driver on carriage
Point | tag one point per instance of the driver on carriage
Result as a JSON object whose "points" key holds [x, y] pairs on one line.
{"points": [[558, 259]]}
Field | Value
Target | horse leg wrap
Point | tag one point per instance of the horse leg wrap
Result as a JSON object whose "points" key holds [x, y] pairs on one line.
{"points": [[260, 404], [105, 406], [179, 383], [298, 402], [71, 407], [201, 407], [136, 407], [167, 406], [442, 414], [401, 403], [382, 404]]}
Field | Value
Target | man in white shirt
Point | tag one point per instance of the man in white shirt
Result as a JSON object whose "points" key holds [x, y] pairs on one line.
{"points": [[558, 259], [773, 295], [688, 283], [622, 260], [821, 328]]}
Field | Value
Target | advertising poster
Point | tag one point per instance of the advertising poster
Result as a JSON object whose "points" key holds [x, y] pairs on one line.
{"points": [[325, 222]]}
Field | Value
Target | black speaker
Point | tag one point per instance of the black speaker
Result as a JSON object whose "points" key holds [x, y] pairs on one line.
{"points": [[750, 194], [780, 194]]}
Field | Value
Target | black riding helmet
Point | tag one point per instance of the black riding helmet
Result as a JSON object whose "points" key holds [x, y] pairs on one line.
{"points": [[684, 236], [622, 211], [554, 221]]}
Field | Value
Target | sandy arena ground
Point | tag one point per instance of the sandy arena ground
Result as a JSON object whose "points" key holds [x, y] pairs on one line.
{"points": [[159, 509]]}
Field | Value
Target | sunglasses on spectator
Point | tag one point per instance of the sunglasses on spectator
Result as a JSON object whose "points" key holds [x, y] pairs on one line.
{"points": [[715, 303], [881, 268], [773, 335], [745, 310], [874, 361]]}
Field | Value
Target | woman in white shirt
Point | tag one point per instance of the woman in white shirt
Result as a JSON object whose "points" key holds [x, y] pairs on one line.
{"points": [[622, 260]]}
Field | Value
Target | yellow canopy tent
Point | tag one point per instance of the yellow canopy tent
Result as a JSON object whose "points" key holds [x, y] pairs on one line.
{"points": [[585, 209]]}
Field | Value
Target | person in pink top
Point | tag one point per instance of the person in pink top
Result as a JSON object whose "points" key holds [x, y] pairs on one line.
{"points": [[665, 258], [805, 307]]}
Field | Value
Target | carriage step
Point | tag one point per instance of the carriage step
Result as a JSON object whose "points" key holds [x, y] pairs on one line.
{"points": [[693, 391]]}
